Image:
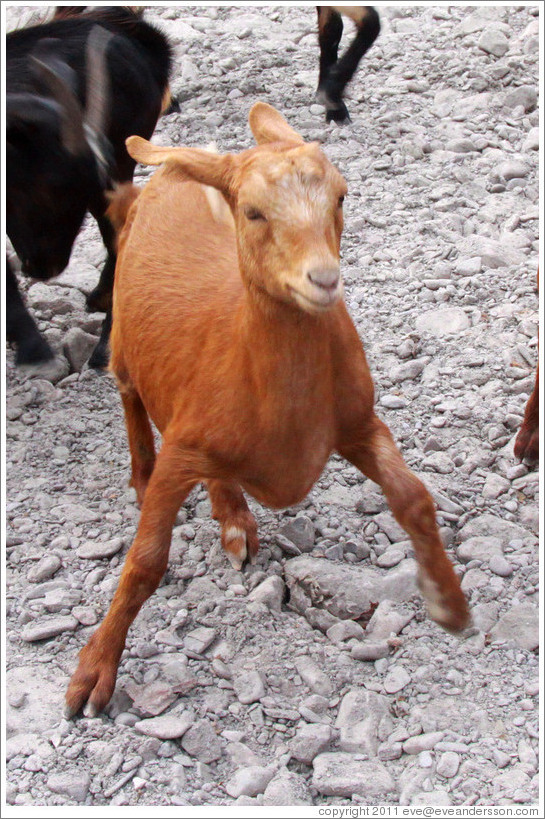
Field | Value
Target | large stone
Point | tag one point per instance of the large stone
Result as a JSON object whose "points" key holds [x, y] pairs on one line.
{"points": [[519, 627], [169, 726], [488, 525], [340, 774], [45, 629], [347, 592], [313, 676], [248, 686], [270, 593], [479, 548]]}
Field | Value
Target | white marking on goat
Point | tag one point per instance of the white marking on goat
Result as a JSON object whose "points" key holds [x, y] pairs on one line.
{"points": [[433, 597], [234, 532]]}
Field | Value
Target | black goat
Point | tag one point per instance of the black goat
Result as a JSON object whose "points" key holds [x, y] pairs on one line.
{"points": [[50, 183], [336, 73]]}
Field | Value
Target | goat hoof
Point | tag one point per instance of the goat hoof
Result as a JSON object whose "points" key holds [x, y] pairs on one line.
{"points": [[446, 602], [99, 358], [93, 682], [98, 301], [37, 351]]}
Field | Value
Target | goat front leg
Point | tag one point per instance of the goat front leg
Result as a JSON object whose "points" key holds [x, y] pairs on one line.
{"points": [[330, 29], [94, 680], [527, 440], [373, 451], [238, 527]]}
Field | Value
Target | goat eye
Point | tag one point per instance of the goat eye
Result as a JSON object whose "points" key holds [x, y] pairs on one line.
{"points": [[253, 214], [340, 202]]}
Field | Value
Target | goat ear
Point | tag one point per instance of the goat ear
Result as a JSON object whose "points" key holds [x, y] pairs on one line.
{"points": [[196, 163], [268, 125]]}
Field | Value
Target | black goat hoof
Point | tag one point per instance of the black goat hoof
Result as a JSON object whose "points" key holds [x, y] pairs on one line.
{"points": [[98, 301], [35, 351], [338, 115], [99, 358]]}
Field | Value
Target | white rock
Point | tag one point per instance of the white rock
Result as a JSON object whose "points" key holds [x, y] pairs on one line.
{"points": [[169, 726], [97, 550], [249, 781], [422, 742], [309, 741], [444, 321], [518, 627], [340, 774], [493, 42], [396, 679], [270, 592], [249, 686]]}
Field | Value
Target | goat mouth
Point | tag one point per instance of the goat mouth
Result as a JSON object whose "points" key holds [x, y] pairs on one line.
{"points": [[323, 301]]}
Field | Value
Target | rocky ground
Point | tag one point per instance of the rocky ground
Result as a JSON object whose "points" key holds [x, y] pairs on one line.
{"points": [[286, 683]]}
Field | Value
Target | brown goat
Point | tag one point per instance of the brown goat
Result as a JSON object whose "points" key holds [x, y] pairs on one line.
{"points": [[231, 334]]}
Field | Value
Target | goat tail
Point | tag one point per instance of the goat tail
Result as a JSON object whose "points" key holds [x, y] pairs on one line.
{"points": [[121, 199]]}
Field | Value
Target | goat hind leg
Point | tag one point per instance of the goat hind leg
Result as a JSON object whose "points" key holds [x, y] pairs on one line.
{"points": [[238, 527], [141, 441], [376, 455]]}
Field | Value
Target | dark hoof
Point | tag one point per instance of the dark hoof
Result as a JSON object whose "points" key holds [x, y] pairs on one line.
{"points": [[98, 301], [34, 351], [336, 110], [338, 115], [99, 358]]}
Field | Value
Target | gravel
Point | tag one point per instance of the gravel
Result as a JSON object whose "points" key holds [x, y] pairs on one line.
{"points": [[315, 675]]}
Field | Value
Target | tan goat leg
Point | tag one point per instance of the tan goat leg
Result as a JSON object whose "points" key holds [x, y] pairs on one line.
{"points": [[238, 527], [141, 441], [376, 455], [145, 564]]}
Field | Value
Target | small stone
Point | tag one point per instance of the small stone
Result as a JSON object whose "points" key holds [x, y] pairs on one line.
{"points": [[341, 774], [393, 402], [85, 615], [448, 765], [248, 686], [390, 558], [166, 727], [345, 630], [199, 639], [494, 486], [493, 42], [422, 742], [78, 346], [249, 781], [49, 628], [313, 676], [287, 788], [500, 566], [369, 651], [513, 170], [74, 786], [479, 548], [396, 679], [300, 531], [309, 741], [270, 592], [44, 569], [524, 95], [95, 550], [518, 627], [444, 321], [202, 742]]}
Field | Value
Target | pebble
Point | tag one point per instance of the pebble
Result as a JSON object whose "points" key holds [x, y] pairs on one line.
{"points": [[500, 566], [313, 676], [493, 42], [345, 630], [479, 548], [369, 651], [287, 788], [199, 639], [300, 531]]}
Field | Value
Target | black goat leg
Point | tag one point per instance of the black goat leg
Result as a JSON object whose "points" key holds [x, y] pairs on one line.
{"points": [[100, 355], [330, 29], [21, 329], [341, 72]]}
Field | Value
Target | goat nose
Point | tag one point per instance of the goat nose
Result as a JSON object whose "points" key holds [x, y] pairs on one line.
{"points": [[325, 277]]}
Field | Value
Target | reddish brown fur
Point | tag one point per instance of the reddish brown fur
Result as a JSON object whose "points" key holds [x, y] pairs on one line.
{"points": [[527, 440], [249, 390]]}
